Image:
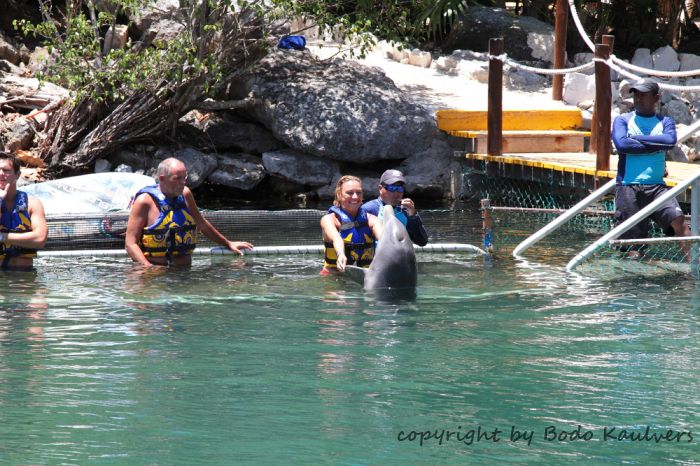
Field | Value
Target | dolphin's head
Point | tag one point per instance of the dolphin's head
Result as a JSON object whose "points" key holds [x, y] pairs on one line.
{"points": [[394, 263], [394, 228]]}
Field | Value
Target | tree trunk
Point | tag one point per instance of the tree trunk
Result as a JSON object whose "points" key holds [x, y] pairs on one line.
{"points": [[66, 128], [141, 116]]}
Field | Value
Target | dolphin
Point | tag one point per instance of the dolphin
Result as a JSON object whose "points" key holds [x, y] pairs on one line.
{"points": [[394, 263]]}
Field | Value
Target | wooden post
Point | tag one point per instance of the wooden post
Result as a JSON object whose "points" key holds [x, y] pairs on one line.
{"points": [[603, 106], [609, 40], [494, 143], [593, 143], [560, 19]]}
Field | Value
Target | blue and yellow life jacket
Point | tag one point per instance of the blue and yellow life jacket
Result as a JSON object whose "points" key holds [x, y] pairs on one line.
{"points": [[174, 232], [16, 220], [358, 238]]}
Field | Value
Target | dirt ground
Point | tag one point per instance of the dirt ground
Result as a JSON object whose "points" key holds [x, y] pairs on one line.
{"points": [[437, 90]]}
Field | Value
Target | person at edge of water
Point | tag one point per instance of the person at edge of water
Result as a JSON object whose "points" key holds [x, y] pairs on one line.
{"points": [[392, 186], [23, 227], [641, 138], [349, 232], [164, 219]]}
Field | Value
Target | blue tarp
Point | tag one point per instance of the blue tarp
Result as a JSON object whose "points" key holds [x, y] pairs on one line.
{"points": [[292, 42], [88, 194]]}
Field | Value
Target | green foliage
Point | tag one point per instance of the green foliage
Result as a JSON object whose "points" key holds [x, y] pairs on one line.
{"points": [[438, 15], [219, 37], [77, 61], [634, 23], [362, 21]]}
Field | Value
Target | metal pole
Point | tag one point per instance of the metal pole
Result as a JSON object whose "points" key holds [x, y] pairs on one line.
{"points": [[560, 18], [258, 251], [487, 226], [494, 143]]}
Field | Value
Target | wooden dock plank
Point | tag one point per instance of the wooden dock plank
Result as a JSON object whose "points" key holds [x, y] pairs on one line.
{"points": [[522, 133], [476, 120], [533, 141], [582, 163]]}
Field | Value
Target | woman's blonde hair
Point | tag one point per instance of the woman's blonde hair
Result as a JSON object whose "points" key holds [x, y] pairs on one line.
{"points": [[339, 185]]}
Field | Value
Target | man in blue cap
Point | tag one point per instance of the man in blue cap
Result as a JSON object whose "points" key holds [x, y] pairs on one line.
{"points": [[642, 138], [392, 186]]}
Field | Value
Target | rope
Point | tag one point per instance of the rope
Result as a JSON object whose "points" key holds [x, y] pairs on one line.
{"points": [[613, 62], [509, 61], [261, 251], [664, 86], [576, 69], [621, 63], [668, 74], [501, 57]]}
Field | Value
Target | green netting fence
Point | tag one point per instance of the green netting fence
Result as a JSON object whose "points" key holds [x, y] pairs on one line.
{"points": [[521, 207]]}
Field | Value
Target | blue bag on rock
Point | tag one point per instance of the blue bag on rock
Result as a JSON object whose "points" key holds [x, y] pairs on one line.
{"points": [[292, 42]]}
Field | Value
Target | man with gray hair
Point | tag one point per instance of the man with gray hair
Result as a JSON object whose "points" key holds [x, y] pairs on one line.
{"points": [[164, 219]]}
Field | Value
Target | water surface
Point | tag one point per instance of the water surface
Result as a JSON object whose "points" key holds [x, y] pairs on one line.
{"points": [[261, 361]]}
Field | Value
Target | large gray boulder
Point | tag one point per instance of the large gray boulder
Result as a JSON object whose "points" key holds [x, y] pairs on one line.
{"points": [[679, 111], [240, 171], [339, 110], [162, 17], [215, 132], [301, 168], [139, 158], [17, 134], [525, 38], [8, 51], [199, 165], [428, 173]]}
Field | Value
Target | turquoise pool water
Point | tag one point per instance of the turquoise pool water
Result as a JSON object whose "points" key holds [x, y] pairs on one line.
{"points": [[261, 361]]}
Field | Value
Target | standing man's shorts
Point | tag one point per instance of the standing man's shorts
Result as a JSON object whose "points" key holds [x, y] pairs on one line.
{"points": [[630, 199]]}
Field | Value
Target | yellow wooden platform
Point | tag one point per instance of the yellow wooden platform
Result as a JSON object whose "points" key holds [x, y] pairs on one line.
{"points": [[523, 131], [476, 120]]}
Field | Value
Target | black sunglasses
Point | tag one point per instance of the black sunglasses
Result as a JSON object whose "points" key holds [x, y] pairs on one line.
{"points": [[395, 188]]}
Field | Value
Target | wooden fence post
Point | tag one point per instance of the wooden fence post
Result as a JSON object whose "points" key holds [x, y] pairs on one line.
{"points": [[603, 106], [494, 144], [560, 18]]}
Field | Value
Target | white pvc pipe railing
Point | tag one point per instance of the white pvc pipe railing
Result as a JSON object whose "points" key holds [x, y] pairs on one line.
{"points": [[563, 218], [672, 239], [687, 132], [260, 251], [629, 223]]}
